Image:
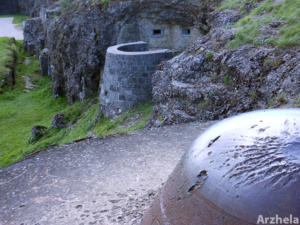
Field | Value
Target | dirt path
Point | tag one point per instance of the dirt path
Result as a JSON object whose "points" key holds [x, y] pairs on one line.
{"points": [[28, 84], [97, 181], [8, 29]]}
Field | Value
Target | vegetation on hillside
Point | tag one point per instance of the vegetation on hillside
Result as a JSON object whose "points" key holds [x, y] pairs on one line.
{"points": [[21, 109], [7, 48], [254, 27]]}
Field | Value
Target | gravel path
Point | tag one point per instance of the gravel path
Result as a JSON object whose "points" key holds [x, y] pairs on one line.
{"points": [[28, 84], [98, 181], [8, 29]]}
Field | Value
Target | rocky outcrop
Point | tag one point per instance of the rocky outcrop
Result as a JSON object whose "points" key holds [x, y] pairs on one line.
{"points": [[59, 121], [210, 81], [78, 39], [37, 132], [34, 36]]}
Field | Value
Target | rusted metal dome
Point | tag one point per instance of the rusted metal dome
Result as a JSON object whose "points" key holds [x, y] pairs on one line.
{"points": [[241, 170]]}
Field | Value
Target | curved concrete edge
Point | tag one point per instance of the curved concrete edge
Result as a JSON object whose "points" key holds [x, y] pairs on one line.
{"points": [[116, 49]]}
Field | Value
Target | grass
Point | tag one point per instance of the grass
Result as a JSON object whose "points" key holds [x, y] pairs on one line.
{"points": [[7, 46], [209, 55], [20, 111], [267, 11], [227, 80], [298, 101], [233, 4], [108, 126], [17, 18]]}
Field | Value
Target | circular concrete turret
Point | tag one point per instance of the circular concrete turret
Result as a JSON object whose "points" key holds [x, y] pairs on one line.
{"points": [[127, 77], [243, 170]]}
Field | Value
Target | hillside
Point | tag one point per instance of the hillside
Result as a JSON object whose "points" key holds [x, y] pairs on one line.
{"points": [[24, 107]]}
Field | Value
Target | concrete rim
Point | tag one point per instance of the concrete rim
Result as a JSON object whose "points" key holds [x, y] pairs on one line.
{"points": [[116, 49]]}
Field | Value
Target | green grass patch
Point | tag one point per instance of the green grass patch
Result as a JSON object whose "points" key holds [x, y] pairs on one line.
{"points": [[7, 46], [233, 4], [21, 110], [298, 101], [227, 80], [122, 125], [19, 113], [267, 11], [209, 55]]}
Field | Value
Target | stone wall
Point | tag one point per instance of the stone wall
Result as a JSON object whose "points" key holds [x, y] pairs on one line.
{"points": [[127, 76]]}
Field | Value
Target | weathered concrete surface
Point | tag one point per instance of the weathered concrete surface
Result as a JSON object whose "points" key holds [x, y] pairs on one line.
{"points": [[98, 181], [242, 168], [8, 29]]}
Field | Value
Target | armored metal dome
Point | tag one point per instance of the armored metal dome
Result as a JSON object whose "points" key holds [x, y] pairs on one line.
{"points": [[240, 171]]}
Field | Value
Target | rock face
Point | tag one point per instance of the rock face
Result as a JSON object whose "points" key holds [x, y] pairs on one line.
{"points": [[59, 121], [37, 132], [33, 36], [209, 81]]}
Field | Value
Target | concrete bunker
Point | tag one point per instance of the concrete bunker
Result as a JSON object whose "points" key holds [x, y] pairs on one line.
{"points": [[127, 76], [160, 35]]}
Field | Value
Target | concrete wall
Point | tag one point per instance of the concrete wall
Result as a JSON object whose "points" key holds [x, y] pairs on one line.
{"points": [[172, 36], [127, 76], [8, 7]]}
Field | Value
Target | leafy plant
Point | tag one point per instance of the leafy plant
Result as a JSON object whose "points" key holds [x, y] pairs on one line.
{"points": [[209, 55]]}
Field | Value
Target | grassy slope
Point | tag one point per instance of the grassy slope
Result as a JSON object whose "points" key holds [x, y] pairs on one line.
{"points": [[20, 111], [6, 47], [267, 11]]}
